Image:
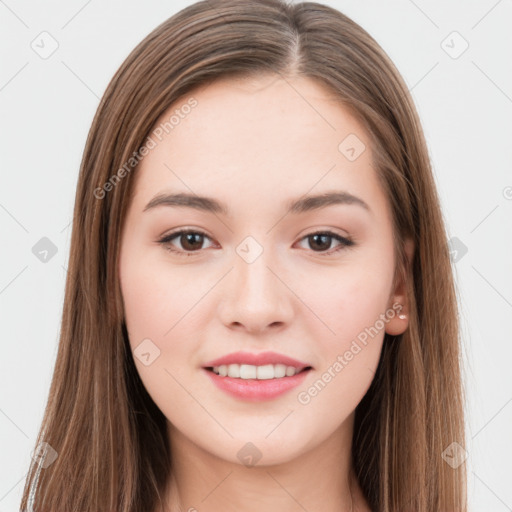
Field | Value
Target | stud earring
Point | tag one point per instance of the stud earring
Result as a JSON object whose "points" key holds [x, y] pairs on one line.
{"points": [[402, 316]]}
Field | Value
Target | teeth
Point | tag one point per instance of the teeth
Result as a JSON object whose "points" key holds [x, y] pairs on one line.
{"points": [[248, 371]]}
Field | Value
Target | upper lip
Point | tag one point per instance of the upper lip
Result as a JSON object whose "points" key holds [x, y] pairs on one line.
{"points": [[258, 359]]}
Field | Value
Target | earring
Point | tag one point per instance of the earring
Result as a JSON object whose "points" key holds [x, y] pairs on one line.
{"points": [[402, 316]]}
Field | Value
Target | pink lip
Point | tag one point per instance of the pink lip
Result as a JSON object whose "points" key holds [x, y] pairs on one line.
{"points": [[254, 390], [260, 359]]}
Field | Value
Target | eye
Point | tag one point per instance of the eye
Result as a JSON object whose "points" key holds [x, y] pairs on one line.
{"points": [[323, 239], [190, 241]]}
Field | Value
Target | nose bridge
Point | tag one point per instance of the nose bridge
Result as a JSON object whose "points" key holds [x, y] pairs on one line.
{"points": [[253, 279], [257, 297]]}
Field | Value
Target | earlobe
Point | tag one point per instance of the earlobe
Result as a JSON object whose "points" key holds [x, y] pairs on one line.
{"points": [[399, 304], [399, 322]]}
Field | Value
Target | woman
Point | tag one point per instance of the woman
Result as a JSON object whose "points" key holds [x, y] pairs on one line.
{"points": [[259, 311]]}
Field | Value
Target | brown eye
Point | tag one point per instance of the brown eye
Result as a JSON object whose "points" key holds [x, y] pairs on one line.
{"points": [[190, 242], [321, 242]]}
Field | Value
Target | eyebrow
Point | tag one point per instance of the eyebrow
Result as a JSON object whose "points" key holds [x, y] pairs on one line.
{"points": [[297, 206]]}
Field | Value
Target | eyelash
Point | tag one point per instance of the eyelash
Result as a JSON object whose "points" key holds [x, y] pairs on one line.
{"points": [[165, 241]]}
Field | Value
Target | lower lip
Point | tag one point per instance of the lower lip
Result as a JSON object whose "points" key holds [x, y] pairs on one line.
{"points": [[254, 390]]}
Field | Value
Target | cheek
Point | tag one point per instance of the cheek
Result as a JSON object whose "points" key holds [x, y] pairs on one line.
{"points": [[159, 315], [155, 297], [168, 305], [348, 327], [345, 299], [348, 358], [144, 299]]}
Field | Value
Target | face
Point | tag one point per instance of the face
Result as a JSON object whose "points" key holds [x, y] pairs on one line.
{"points": [[314, 282]]}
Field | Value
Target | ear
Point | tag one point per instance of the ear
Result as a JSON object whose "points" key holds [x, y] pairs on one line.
{"points": [[399, 302]]}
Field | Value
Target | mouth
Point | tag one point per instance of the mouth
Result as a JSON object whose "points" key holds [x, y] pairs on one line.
{"points": [[252, 372], [256, 383]]}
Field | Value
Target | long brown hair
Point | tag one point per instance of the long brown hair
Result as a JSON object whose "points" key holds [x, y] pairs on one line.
{"points": [[112, 452]]}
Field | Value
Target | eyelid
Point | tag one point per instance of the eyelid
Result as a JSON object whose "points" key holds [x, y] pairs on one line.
{"points": [[166, 240], [346, 242]]}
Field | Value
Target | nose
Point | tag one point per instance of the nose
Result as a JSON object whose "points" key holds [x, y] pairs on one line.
{"points": [[255, 297]]}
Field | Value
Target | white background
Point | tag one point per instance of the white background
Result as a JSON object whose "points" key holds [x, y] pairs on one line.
{"points": [[47, 106]]}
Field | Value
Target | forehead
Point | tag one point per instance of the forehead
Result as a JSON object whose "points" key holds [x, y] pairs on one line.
{"points": [[259, 136]]}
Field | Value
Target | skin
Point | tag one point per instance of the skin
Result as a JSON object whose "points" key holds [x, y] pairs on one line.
{"points": [[255, 144]]}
